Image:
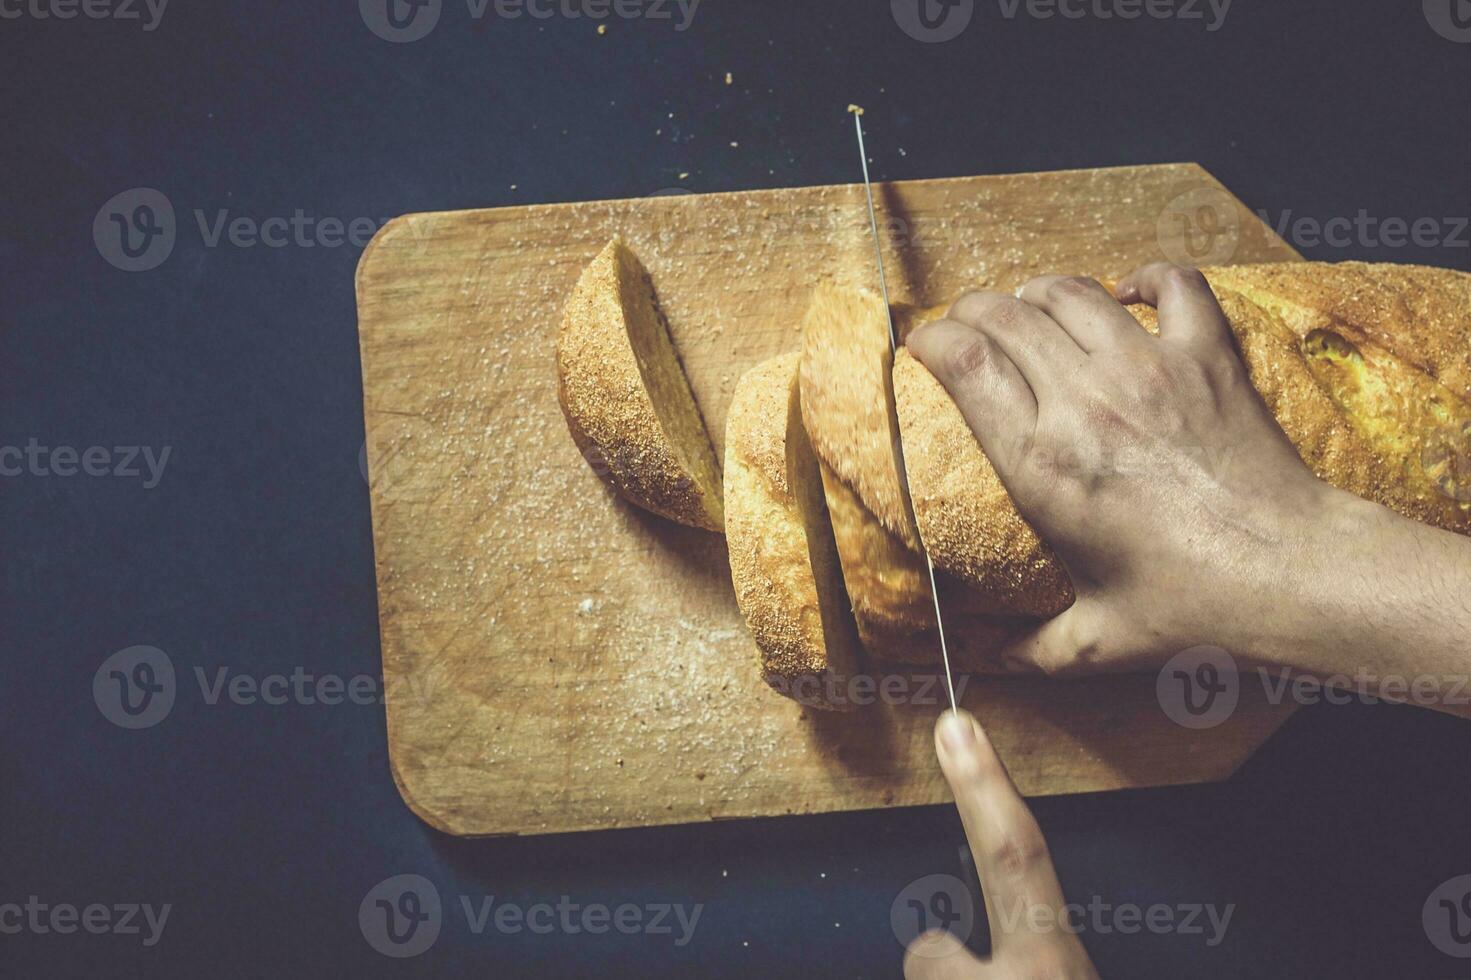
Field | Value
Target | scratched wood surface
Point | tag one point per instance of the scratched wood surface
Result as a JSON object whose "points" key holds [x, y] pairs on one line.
{"points": [[556, 660]]}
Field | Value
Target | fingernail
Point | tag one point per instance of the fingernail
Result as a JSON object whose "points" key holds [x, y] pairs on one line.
{"points": [[957, 733]]}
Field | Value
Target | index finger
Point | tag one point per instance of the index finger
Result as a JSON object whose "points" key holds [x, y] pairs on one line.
{"points": [[1018, 881]]}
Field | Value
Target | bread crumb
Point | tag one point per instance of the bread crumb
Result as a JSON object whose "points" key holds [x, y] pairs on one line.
{"points": [[733, 143], [729, 78], [602, 28], [857, 110], [684, 176]]}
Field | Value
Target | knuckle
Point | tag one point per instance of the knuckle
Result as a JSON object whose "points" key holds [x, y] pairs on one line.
{"points": [[970, 306], [1056, 664], [1007, 312], [1081, 644], [978, 307], [1086, 646], [1071, 287], [967, 357], [1184, 278], [1019, 852], [1100, 414], [1072, 656]]}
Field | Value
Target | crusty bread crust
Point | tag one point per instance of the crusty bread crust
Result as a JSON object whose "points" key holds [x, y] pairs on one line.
{"points": [[1365, 367], [1419, 314], [783, 561], [1385, 410], [628, 404]]}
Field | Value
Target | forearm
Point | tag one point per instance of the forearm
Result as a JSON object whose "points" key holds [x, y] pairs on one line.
{"points": [[1375, 602]]}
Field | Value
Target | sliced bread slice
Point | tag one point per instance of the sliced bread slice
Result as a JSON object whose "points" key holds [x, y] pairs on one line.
{"points": [[627, 400], [783, 560]]}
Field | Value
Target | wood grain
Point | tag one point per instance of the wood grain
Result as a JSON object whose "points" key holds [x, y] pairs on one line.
{"points": [[556, 660]]}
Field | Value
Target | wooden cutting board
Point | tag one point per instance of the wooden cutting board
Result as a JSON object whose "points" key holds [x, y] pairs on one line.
{"points": [[556, 660]]}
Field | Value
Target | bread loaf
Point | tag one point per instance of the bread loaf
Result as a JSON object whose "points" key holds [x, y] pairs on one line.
{"points": [[1366, 368], [783, 559], [627, 401]]}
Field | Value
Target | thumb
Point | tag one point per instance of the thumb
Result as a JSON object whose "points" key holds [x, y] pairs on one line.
{"points": [[1070, 642]]}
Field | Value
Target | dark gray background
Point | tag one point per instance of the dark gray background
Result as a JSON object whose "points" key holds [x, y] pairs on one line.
{"points": [[265, 826]]}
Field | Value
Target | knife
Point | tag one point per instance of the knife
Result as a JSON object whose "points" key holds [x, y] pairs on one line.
{"points": [[878, 251]]}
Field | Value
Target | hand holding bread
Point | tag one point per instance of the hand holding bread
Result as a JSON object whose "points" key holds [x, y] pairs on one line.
{"points": [[1168, 473], [1130, 475]]}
